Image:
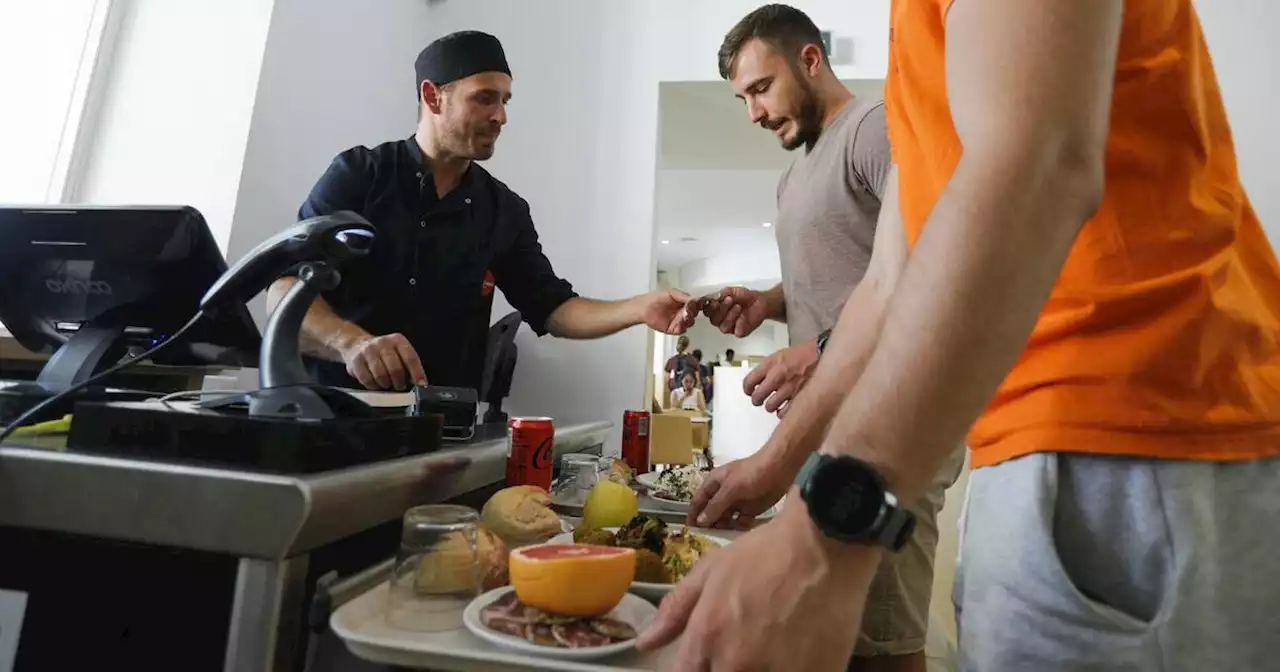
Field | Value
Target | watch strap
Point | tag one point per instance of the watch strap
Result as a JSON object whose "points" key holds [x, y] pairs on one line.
{"points": [[895, 526], [822, 341], [810, 465]]}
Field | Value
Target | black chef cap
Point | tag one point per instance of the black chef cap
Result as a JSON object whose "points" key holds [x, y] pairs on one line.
{"points": [[459, 55]]}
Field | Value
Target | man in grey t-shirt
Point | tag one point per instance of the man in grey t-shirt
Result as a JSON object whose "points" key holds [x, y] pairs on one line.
{"points": [[828, 204]]}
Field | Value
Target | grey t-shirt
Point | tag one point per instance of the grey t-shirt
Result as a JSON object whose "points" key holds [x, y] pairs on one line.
{"points": [[828, 203]]}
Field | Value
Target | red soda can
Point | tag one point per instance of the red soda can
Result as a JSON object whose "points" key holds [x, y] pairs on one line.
{"points": [[635, 440], [530, 451]]}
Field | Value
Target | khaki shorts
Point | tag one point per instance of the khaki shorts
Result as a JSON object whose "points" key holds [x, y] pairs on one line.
{"points": [[896, 618]]}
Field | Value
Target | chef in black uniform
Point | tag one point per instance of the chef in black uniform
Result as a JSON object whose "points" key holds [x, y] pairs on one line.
{"points": [[417, 308]]}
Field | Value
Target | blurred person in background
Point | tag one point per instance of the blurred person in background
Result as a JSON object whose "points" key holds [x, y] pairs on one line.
{"points": [[689, 397], [680, 362], [704, 375]]}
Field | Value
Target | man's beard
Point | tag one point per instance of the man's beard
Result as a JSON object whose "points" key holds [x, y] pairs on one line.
{"points": [[467, 145], [808, 121]]}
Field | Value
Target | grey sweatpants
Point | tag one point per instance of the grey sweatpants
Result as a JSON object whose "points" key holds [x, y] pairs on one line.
{"points": [[1082, 562]]}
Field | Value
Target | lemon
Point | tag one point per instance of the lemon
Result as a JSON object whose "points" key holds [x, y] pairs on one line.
{"points": [[609, 505]]}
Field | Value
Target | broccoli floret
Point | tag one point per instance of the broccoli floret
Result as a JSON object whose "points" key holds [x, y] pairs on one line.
{"points": [[643, 532]]}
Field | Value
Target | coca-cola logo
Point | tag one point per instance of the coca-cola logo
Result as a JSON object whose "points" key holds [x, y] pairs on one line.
{"points": [[542, 454]]}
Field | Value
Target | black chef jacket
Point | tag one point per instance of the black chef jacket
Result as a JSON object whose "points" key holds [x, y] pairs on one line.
{"points": [[435, 261]]}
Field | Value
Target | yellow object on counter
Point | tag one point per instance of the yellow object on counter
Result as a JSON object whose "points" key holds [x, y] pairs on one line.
{"points": [[59, 426], [609, 505]]}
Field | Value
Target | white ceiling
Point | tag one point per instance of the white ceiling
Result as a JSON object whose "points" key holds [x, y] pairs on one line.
{"points": [[717, 173], [723, 211]]}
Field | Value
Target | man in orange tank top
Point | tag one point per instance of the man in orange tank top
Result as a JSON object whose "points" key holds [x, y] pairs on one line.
{"points": [[1073, 276]]}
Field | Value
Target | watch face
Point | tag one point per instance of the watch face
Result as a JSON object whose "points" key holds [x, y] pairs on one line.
{"points": [[846, 496]]}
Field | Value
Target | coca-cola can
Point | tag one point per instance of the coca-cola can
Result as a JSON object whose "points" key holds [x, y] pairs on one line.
{"points": [[530, 451], [635, 440]]}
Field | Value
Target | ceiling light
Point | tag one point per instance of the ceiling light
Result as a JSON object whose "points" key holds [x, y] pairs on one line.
{"points": [[666, 242], [767, 224]]}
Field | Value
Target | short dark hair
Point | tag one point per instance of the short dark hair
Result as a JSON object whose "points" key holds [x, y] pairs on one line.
{"points": [[697, 354], [784, 28], [729, 353]]}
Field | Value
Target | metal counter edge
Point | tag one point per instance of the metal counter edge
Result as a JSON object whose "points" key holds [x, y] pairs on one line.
{"points": [[245, 514]]}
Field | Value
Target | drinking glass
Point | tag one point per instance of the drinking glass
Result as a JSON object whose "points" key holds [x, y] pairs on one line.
{"points": [[581, 472], [437, 570]]}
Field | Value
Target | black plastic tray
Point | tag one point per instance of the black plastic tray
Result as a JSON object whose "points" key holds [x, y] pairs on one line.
{"points": [[152, 431]]}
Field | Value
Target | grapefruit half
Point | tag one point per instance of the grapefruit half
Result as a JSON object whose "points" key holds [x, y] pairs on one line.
{"points": [[572, 579]]}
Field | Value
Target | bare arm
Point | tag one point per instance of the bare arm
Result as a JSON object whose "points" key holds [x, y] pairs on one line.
{"points": [[580, 318], [776, 301], [324, 334], [851, 343], [1031, 110]]}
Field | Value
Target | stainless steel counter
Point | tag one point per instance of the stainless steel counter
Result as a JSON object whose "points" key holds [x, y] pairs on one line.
{"points": [[239, 513]]}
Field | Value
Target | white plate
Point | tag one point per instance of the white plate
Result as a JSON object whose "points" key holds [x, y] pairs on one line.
{"points": [[664, 504], [649, 591], [631, 610], [648, 481]]}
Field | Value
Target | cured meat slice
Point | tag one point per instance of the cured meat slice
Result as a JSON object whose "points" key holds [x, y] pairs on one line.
{"points": [[578, 635], [541, 634], [507, 625], [612, 628]]}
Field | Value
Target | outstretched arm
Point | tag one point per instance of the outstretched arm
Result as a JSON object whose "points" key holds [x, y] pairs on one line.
{"points": [[670, 312]]}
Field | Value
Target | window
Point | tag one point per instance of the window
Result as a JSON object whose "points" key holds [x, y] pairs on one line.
{"points": [[49, 51]]}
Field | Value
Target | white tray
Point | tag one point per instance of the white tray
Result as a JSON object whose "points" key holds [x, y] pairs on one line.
{"points": [[361, 625]]}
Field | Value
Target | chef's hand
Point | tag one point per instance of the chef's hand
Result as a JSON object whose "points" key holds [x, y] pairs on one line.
{"points": [[384, 363], [735, 494], [781, 597], [737, 310], [780, 377], [670, 311]]}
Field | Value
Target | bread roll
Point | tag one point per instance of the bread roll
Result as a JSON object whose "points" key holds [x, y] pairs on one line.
{"points": [[621, 473], [448, 568], [521, 515]]}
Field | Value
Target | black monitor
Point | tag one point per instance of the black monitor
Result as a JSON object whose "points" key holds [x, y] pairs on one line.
{"points": [[93, 283], [501, 355]]}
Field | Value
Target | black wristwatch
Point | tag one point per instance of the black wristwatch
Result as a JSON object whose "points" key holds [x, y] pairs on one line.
{"points": [[849, 502], [822, 342]]}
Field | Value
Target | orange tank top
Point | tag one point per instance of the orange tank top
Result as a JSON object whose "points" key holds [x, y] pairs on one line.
{"points": [[1160, 336]]}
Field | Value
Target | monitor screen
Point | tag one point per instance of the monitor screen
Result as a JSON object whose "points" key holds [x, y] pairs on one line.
{"points": [[142, 270]]}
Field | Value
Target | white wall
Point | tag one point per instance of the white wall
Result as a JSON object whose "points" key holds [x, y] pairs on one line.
{"points": [[1245, 52], [176, 106], [335, 73], [755, 266], [768, 339], [684, 36], [42, 53], [722, 210]]}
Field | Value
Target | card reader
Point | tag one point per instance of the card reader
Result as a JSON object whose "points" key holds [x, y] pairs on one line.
{"points": [[457, 406]]}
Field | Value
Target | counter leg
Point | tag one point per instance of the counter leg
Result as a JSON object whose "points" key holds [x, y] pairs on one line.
{"points": [[265, 617]]}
